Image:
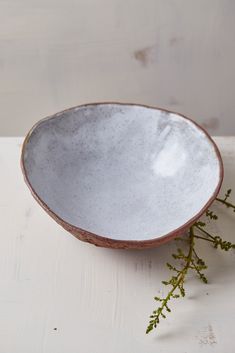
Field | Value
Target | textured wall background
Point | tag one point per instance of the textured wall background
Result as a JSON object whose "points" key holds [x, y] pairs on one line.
{"points": [[178, 54]]}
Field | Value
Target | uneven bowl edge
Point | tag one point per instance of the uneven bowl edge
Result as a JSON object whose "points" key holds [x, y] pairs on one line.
{"points": [[99, 240]]}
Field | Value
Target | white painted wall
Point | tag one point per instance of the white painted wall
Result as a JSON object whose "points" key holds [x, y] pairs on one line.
{"points": [[178, 54]]}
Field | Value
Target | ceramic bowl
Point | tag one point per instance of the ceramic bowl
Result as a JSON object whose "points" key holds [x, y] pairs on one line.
{"points": [[122, 175]]}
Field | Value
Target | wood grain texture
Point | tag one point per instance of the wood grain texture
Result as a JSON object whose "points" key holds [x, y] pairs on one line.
{"points": [[58, 294], [176, 54]]}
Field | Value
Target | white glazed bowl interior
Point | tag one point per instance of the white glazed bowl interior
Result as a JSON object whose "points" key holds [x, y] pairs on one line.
{"points": [[125, 172]]}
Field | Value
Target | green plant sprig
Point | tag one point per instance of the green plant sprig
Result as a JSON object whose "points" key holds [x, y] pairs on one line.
{"points": [[189, 261], [224, 200]]}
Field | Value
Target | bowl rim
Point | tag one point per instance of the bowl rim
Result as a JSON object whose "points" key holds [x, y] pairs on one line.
{"points": [[104, 241]]}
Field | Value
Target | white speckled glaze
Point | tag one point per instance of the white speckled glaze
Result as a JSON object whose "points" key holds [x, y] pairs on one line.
{"points": [[125, 172]]}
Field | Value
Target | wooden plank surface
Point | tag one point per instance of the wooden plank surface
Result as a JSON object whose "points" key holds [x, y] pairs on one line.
{"points": [[60, 295]]}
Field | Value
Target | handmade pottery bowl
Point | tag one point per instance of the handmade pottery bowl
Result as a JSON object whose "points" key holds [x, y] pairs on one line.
{"points": [[122, 175]]}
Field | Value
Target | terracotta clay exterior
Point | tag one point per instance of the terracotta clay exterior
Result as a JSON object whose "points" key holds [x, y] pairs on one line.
{"points": [[99, 240]]}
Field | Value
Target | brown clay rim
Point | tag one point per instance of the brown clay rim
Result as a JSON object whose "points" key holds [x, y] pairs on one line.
{"points": [[100, 240]]}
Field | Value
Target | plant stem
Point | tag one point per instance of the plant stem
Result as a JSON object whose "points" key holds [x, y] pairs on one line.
{"points": [[198, 237], [194, 251], [204, 231], [191, 245], [226, 203], [179, 280], [182, 274]]}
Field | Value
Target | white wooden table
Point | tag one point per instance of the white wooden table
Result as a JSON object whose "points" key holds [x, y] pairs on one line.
{"points": [[60, 295]]}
